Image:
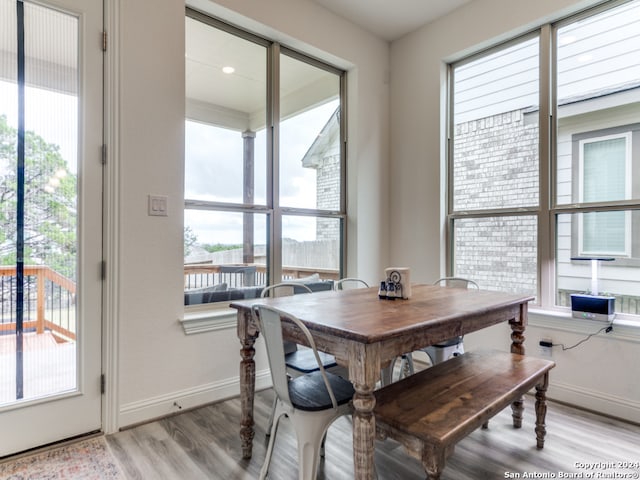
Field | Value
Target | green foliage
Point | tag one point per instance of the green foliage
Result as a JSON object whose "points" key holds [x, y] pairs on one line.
{"points": [[50, 221], [190, 239], [219, 247]]}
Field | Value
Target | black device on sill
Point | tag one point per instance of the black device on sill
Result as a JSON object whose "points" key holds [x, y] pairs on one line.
{"points": [[593, 306]]}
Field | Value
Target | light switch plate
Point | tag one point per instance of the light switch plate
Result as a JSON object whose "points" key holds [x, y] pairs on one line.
{"points": [[157, 205]]}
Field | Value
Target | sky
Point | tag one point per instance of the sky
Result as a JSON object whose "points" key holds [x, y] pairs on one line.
{"points": [[215, 159], [51, 115], [213, 172]]}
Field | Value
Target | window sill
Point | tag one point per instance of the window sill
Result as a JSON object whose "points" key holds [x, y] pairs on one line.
{"points": [[623, 328], [208, 319], [220, 317]]}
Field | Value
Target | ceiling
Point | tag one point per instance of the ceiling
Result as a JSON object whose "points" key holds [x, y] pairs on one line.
{"points": [[391, 19], [238, 101]]}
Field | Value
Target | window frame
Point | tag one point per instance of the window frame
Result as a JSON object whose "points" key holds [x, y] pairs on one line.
{"points": [[513, 211], [273, 210], [549, 209]]}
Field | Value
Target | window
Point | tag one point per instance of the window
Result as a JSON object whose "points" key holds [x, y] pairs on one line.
{"points": [[264, 156], [522, 202], [494, 167], [604, 176]]}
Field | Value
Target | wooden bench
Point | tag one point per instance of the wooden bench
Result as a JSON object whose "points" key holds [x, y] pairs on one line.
{"points": [[429, 412]]}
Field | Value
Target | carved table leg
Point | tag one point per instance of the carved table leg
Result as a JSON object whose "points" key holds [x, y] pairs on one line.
{"points": [[247, 335], [518, 326], [364, 370], [364, 429], [517, 407], [433, 461], [541, 409]]}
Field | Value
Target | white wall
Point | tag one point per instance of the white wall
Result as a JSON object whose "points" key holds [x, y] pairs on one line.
{"points": [[394, 208], [156, 363], [600, 373], [417, 108]]}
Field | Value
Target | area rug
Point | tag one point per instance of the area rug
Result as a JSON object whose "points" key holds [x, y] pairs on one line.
{"points": [[85, 460]]}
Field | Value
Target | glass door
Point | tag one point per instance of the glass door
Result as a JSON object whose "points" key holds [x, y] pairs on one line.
{"points": [[50, 216]]}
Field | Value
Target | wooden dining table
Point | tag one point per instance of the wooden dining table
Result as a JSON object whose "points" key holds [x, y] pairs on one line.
{"points": [[366, 333]]}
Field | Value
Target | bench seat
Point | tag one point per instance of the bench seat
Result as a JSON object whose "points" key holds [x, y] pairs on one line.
{"points": [[431, 411]]}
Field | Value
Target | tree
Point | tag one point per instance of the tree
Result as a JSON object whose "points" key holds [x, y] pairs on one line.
{"points": [[50, 217], [190, 239]]}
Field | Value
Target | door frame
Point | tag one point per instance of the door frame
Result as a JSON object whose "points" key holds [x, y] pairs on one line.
{"points": [[86, 396], [111, 217]]}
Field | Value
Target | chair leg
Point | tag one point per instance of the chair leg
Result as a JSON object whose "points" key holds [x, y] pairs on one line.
{"points": [[429, 352], [406, 366], [273, 411], [276, 415], [310, 433], [386, 374]]}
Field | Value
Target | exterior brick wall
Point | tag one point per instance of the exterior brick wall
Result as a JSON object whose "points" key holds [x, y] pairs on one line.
{"points": [[496, 165], [496, 162], [328, 197]]}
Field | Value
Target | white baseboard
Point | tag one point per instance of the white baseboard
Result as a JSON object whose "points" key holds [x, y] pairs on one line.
{"points": [[600, 402], [157, 407], [161, 406]]}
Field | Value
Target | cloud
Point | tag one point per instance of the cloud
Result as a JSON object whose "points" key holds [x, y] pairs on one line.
{"points": [[214, 160]]}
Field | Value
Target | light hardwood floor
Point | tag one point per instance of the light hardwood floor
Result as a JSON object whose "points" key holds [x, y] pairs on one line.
{"points": [[204, 444]]}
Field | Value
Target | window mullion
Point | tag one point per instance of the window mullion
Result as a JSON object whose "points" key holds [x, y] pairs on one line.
{"points": [[273, 162], [449, 230], [546, 223]]}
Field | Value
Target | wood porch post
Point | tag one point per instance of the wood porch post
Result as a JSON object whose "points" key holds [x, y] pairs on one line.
{"points": [[248, 195]]}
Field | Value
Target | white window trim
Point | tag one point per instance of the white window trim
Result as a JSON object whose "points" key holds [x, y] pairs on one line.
{"points": [[627, 193], [208, 318]]}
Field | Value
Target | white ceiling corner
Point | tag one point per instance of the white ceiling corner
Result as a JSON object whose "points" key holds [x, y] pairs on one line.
{"points": [[388, 19]]}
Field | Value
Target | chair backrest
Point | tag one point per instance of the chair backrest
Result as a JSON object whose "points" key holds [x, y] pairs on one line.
{"points": [[350, 283], [456, 282], [284, 289], [270, 321]]}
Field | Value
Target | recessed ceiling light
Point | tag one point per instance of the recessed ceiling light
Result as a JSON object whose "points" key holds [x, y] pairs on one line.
{"points": [[228, 70]]}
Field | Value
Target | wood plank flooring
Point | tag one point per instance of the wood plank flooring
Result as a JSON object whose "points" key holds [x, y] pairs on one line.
{"points": [[204, 444]]}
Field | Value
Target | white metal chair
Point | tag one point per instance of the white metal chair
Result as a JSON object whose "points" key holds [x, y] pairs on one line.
{"points": [[349, 283], [311, 401], [442, 351], [298, 361]]}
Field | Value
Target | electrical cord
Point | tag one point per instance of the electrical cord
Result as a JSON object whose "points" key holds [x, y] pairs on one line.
{"points": [[606, 329]]}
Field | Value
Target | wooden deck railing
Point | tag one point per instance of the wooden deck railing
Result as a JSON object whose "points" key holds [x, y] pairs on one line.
{"points": [[240, 275], [52, 294], [49, 298]]}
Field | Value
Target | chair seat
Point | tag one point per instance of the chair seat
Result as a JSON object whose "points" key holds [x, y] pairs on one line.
{"points": [[309, 393], [303, 360]]}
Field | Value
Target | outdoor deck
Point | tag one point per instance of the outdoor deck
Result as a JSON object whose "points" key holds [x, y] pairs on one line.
{"points": [[49, 366]]}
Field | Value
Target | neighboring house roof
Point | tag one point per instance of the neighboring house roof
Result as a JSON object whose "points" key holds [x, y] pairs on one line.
{"points": [[326, 143], [632, 88], [601, 93]]}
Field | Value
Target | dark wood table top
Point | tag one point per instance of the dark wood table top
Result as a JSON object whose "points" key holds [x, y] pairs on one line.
{"points": [[359, 315]]}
